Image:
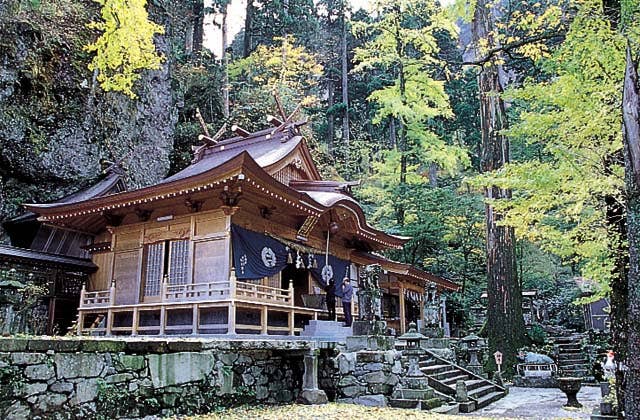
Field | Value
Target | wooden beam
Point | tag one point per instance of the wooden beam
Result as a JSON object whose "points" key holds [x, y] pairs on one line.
{"points": [[203, 125], [240, 131]]}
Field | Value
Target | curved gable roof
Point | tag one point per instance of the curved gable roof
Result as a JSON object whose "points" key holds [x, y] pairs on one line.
{"points": [[266, 147]]}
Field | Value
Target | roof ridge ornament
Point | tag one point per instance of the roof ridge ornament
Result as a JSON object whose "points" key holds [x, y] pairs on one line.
{"points": [[206, 139], [287, 122]]}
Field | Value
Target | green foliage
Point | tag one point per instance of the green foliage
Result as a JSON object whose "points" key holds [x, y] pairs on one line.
{"points": [[11, 383], [114, 401], [572, 118], [403, 42], [125, 46], [286, 68], [537, 335]]}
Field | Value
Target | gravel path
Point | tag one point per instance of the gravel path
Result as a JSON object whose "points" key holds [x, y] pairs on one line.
{"points": [[521, 403]]}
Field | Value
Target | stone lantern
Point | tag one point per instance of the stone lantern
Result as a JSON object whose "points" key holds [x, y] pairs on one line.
{"points": [[413, 349], [471, 342]]}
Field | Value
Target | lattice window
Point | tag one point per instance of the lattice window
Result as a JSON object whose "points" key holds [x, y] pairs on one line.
{"points": [[154, 269], [179, 262]]}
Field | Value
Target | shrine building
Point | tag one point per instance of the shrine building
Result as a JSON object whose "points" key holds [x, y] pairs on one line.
{"points": [[242, 241]]}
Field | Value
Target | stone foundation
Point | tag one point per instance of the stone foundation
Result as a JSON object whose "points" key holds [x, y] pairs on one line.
{"points": [[110, 378], [361, 377]]}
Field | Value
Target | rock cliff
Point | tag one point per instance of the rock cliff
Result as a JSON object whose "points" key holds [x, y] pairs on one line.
{"points": [[56, 124]]}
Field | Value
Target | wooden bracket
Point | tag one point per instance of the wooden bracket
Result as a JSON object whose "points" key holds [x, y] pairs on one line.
{"points": [[194, 206], [113, 219], [266, 212], [143, 214]]}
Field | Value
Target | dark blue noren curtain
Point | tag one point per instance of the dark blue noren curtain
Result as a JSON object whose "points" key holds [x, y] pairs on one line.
{"points": [[256, 255], [339, 269]]}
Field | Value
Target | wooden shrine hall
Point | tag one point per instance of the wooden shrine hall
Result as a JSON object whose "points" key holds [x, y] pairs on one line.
{"points": [[242, 241]]}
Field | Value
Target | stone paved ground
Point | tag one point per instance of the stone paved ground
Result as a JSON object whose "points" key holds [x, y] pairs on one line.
{"points": [[542, 404]]}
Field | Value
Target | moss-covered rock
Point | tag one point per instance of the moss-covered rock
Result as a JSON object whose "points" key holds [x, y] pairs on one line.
{"points": [[56, 124]]}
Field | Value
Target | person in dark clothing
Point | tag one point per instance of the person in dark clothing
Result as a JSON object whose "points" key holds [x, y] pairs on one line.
{"points": [[331, 299], [347, 295]]}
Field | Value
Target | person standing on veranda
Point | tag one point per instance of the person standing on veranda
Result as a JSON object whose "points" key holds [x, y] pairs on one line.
{"points": [[347, 295], [331, 299]]}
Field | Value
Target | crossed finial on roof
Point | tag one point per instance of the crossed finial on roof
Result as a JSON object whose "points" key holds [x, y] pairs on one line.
{"points": [[286, 121]]}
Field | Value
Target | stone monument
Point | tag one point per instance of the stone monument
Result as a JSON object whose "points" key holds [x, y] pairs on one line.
{"points": [[369, 330]]}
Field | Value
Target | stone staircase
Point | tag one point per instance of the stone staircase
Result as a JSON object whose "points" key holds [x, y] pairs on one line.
{"points": [[444, 376], [571, 358], [326, 331]]}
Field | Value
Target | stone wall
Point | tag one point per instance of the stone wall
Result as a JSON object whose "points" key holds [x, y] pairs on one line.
{"points": [[69, 378], [361, 377]]}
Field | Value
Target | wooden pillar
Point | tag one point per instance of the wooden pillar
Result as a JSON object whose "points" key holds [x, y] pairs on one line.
{"points": [[231, 321], [163, 319], [109, 322], [231, 315], [291, 327], [403, 320], [422, 309], [291, 297], [83, 291], [112, 294], [264, 320], [80, 322], [135, 321], [195, 319]]}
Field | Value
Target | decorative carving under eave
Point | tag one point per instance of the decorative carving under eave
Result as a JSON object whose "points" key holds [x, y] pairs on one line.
{"points": [[306, 228], [113, 219], [143, 214], [266, 212], [194, 206], [230, 198], [167, 235]]}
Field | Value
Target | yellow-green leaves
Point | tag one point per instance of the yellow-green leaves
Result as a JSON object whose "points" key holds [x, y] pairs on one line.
{"points": [[283, 65], [125, 47], [573, 119], [402, 42]]}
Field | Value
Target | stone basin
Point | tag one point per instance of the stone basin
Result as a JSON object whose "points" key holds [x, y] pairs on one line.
{"points": [[570, 386]]}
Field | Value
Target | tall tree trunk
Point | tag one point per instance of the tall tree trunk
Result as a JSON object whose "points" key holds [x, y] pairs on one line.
{"points": [[345, 80], [393, 141], [433, 175], [198, 25], [505, 323], [248, 29], [631, 119], [331, 91], [225, 60]]}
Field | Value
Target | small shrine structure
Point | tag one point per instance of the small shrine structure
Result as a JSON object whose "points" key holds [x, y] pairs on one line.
{"points": [[239, 242]]}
